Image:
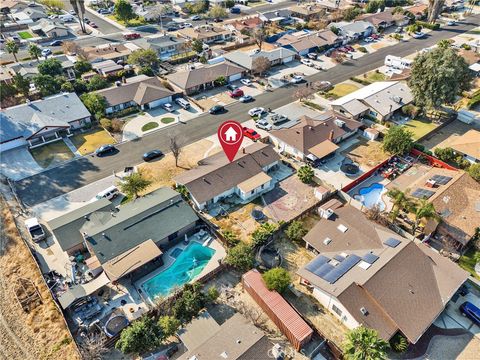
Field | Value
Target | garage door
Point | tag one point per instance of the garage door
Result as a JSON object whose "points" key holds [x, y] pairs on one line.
{"points": [[235, 77], [159, 102], [288, 59], [12, 144]]}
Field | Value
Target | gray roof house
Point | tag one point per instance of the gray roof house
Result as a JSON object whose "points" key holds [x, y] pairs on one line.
{"points": [[143, 91], [246, 176], [50, 29], [29, 69], [125, 238], [246, 60], [355, 29], [278, 16], [42, 121], [366, 274], [380, 99], [166, 46]]}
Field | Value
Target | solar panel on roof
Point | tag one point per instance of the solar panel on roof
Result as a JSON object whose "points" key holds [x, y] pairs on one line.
{"points": [[370, 258], [339, 258], [392, 242], [422, 193], [323, 270], [440, 179], [317, 263], [341, 269]]}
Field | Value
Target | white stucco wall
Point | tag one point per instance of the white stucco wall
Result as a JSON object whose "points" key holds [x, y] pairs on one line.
{"points": [[328, 301]]}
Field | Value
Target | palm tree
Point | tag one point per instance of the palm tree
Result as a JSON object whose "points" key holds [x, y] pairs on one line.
{"points": [[12, 48], [400, 202], [364, 344], [423, 210], [306, 174], [34, 51], [133, 184], [79, 8]]}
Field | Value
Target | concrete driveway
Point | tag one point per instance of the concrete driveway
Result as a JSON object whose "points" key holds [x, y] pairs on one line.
{"points": [[452, 318], [18, 164]]}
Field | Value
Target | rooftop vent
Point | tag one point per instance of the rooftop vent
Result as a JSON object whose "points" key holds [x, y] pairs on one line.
{"points": [[327, 241], [326, 213], [364, 311], [224, 355], [339, 123], [342, 228]]}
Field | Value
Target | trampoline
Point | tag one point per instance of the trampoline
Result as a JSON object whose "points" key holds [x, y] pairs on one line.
{"points": [[257, 214], [269, 257], [350, 168], [115, 324]]}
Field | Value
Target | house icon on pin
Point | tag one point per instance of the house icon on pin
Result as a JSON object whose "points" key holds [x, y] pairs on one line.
{"points": [[231, 134]]}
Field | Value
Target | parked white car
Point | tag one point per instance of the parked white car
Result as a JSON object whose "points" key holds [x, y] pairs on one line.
{"points": [[246, 82], [263, 124], [188, 25], [256, 111], [296, 79], [168, 107], [418, 35], [369, 39], [307, 62]]}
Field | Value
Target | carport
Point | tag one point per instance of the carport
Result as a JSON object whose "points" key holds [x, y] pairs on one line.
{"points": [[323, 149]]}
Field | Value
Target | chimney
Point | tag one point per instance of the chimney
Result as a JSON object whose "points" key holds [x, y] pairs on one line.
{"points": [[330, 136], [243, 151]]}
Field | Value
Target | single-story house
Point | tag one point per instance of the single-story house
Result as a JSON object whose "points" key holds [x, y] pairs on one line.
{"points": [[6, 75], [106, 67], [208, 34], [50, 29], [12, 6], [419, 10], [380, 100], [249, 24], [125, 238], [28, 69], [303, 43], [468, 145], [308, 12], [355, 30], [29, 13], [166, 46], [199, 79], [314, 138], [282, 16], [335, 5], [216, 178], [236, 338], [385, 19], [104, 52], [42, 121], [367, 275], [276, 56], [142, 91]]}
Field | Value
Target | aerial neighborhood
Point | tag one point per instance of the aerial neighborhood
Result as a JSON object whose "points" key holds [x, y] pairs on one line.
{"points": [[233, 179]]}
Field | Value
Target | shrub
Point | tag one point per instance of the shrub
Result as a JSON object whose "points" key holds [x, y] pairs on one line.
{"points": [[474, 171], [295, 231], [230, 238], [262, 233], [189, 303], [362, 49], [360, 81], [410, 110], [427, 25], [146, 70], [169, 325], [106, 124], [126, 112], [141, 336], [277, 279], [240, 257], [466, 47], [399, 343], [419, 147], [446, 154], [220, 81], [212, 294], [116, 125], [474, 101]]}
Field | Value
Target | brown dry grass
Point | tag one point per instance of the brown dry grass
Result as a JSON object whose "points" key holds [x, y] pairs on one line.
{"points": [[240, 221], [41, 333], [367, 153]]}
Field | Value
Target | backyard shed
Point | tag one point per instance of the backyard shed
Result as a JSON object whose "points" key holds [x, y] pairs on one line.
{"points": [[278, 309]]}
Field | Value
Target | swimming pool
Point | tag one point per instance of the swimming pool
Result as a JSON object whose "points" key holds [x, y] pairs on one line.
{"points": [[188, 265], [371, 196]]}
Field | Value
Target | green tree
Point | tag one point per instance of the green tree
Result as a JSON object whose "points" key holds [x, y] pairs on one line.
{"points": [[169, 325], [445, 43], [263, 233], [220, 81], [141, 336], [229, 3], [182, 189], [398, 140], [217, 12], [12, 48], [80, 86], [277, 279], [53, 5], [22, 85], [230, 238], [296, 231], [423, 210], [146, 70], [189, 303], [123, 11], [46, 84], [400, 202], [197, 45], [82, 66], [240, 257], [306, 174], [144, 58], [67, 86], [364, 344], [446, 154], [212, 294], [51, 67], [95, 103], [133, 184], [351, 13], [7, 92], [474, 171], [97, 82], [438, 76], [34, 51]]}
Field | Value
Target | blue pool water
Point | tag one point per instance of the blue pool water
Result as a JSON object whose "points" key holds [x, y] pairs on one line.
{"points": [[188, 265], [371, 196]]}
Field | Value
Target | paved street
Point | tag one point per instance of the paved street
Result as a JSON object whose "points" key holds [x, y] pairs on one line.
{"points": [[50, 184]]}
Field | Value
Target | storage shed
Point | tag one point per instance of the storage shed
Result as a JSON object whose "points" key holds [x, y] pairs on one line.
{"points": [[278, 309]]}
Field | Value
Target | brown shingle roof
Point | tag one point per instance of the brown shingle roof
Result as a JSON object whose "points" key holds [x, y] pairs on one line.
{"points": [[468, 143], [216, 174]]}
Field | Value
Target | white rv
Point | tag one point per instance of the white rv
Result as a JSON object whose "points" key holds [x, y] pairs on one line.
{"points": [[398, 62]]}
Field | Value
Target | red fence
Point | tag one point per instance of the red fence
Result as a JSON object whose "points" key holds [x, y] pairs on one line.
{"points": [[433, 161], [362, 178]]}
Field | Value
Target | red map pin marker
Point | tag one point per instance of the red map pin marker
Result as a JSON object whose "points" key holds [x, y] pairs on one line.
{"points": [[230, 135]]}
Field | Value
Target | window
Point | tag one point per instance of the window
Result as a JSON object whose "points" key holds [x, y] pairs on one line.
{"points": [[263, 185], [252, 192], [336, 310]]}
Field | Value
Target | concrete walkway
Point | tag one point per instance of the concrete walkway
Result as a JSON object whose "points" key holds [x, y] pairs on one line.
{"points": [[72, 147]]}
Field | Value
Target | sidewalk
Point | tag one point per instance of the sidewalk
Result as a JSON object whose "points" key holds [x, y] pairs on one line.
{"points": [[72, 147]]}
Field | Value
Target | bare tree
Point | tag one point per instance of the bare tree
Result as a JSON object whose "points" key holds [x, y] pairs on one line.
{"points": [[259, 36], [376, 215], [260, 65], [255, 315], [93, 347], [303, 93], [434, 9], [175, 148], [69, 47]]}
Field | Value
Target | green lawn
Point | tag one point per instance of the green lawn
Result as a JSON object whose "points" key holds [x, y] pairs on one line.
{"points": [[89, 141], [374, 76], [25, 35], [149, 126], [314, 105], [467, 262], [52, 153], [420, 128], [131, 23], [343, 89], [167, 120], [184, 55]]}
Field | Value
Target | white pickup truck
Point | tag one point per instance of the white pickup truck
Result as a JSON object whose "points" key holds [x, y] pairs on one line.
{"points": [[35, 229]]}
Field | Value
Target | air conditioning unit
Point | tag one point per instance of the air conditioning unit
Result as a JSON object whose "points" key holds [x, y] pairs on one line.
{"points": [[325, 213], [339, 123], [364, 311], [327, 241]]}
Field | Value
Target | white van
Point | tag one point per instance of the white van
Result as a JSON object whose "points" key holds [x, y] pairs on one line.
{"points": [[109, 193], [183, 103], [66, 18], [398, 62]]}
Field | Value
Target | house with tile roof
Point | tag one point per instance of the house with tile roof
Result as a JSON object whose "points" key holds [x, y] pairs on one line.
{"points": [[385, 19], [366, 274], [40, 122], [314, 138], [142, 91], [246, 176]]}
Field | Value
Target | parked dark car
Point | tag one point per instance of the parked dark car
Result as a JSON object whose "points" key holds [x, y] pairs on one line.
{"points": [[231, 87], [216, 109], [471, 311], [105, 149], [151, 155], [217, 20], [56, 43], [235, 10]]}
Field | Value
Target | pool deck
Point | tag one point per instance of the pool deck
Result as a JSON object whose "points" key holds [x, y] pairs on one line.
{"points": [[168, 260]]}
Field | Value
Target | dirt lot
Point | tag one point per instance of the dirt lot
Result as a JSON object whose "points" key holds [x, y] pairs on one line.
{"points": [[240, 221], [41, 333], [367, 153]]}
